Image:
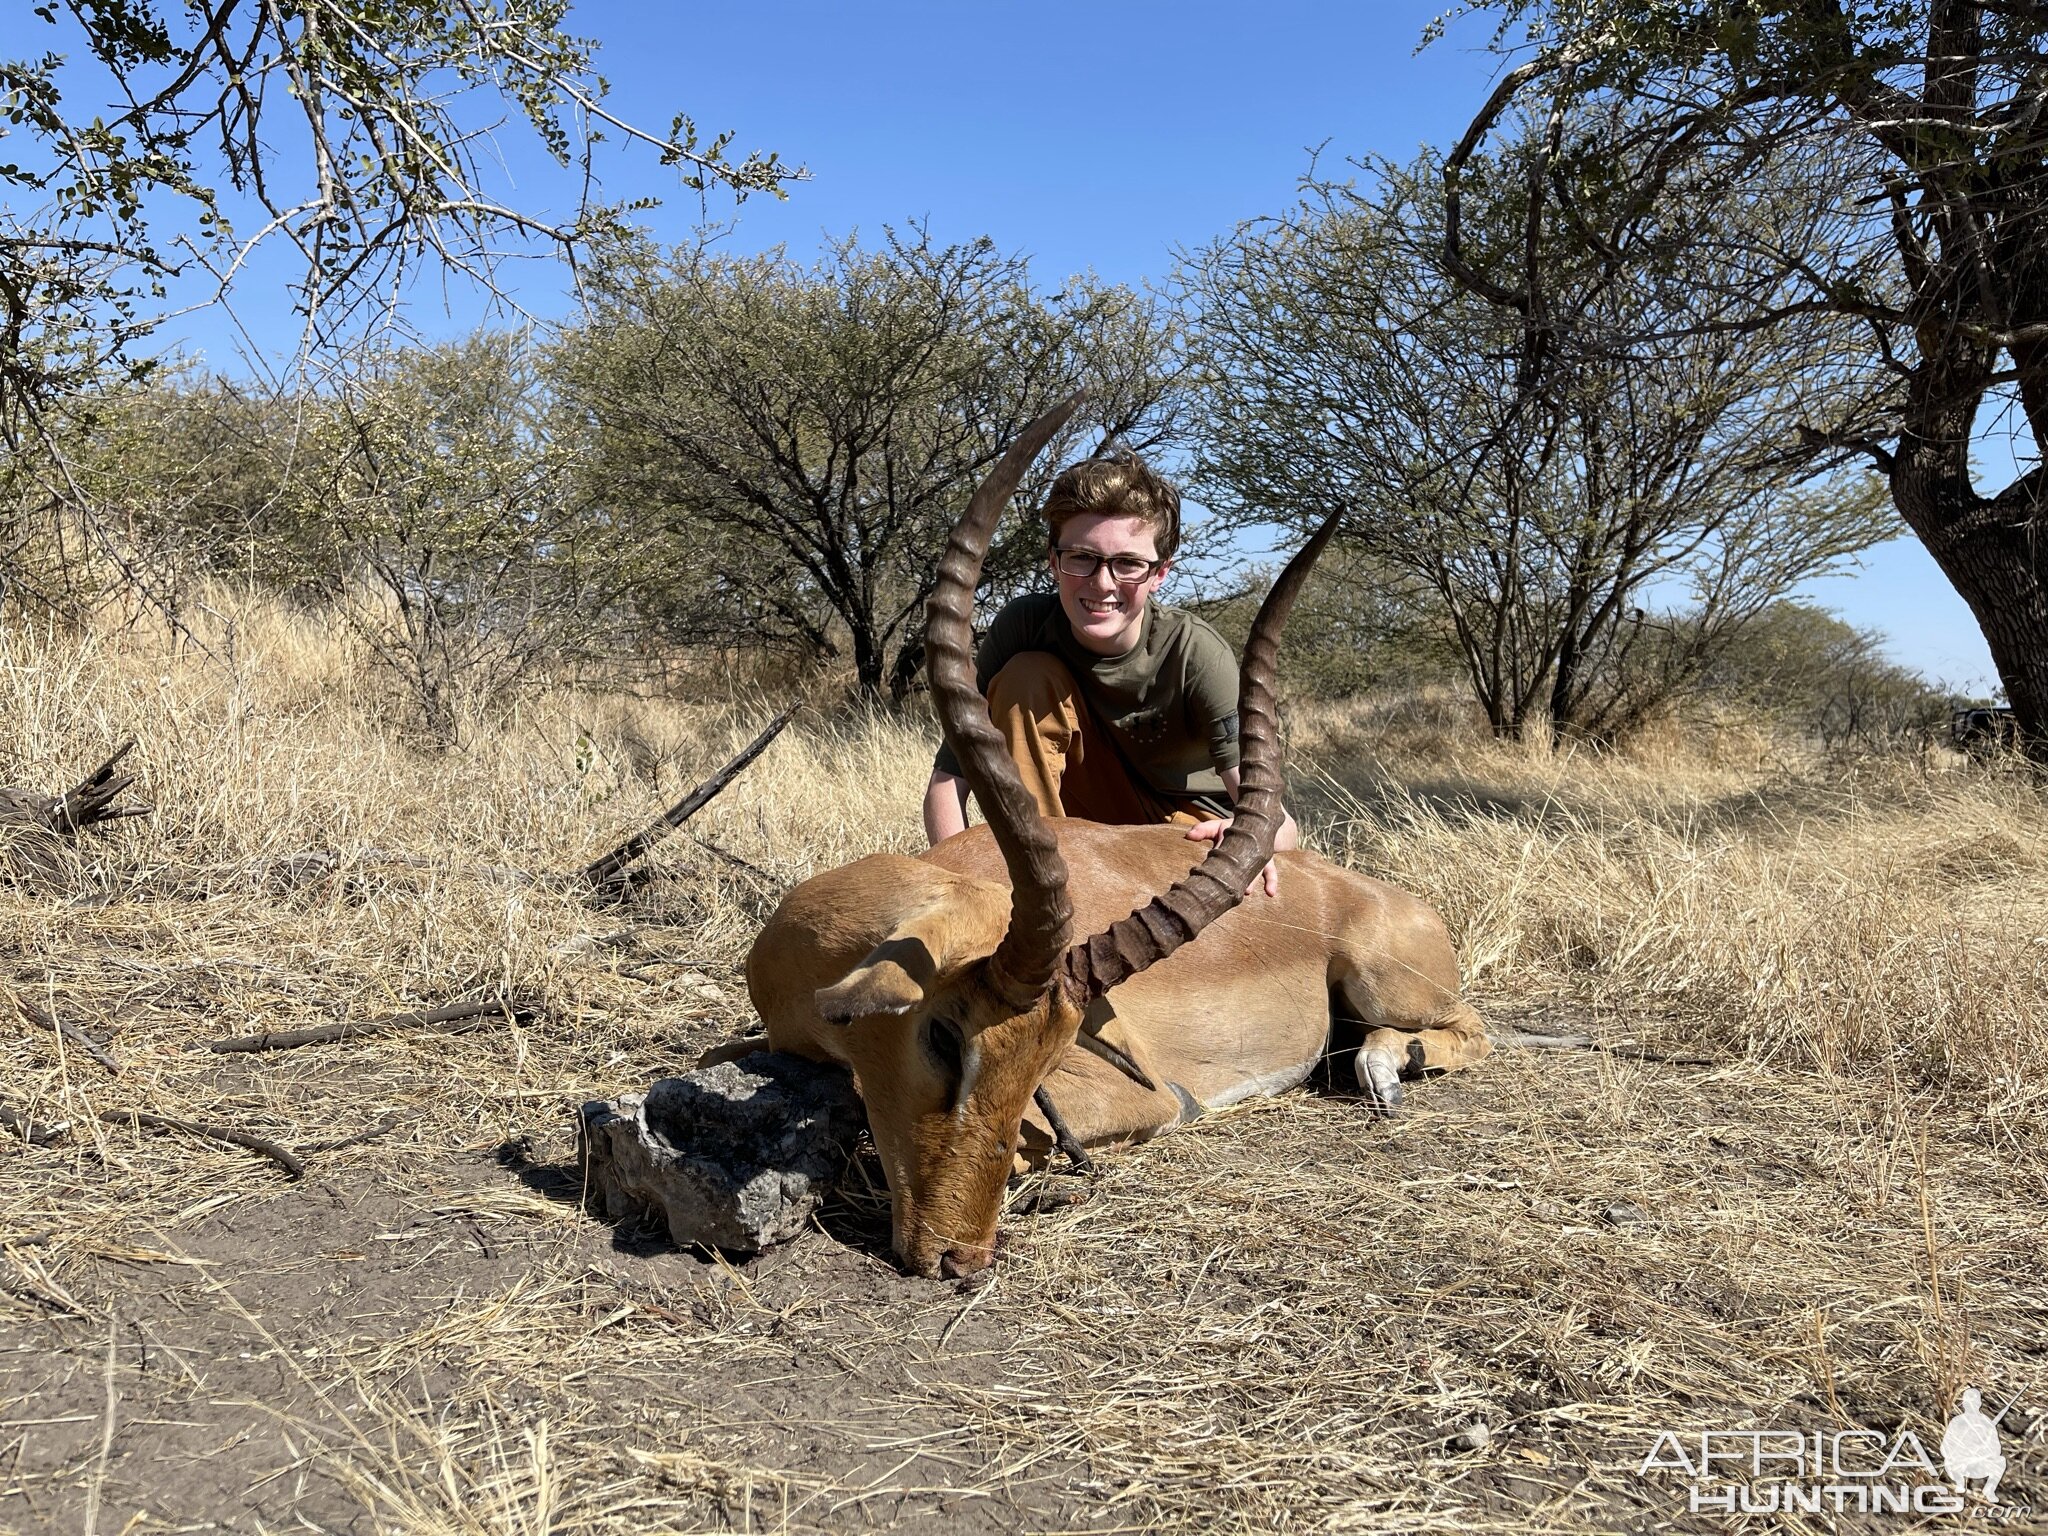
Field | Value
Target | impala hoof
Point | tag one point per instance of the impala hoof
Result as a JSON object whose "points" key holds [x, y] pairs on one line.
{"points": [[1379, 1079]]}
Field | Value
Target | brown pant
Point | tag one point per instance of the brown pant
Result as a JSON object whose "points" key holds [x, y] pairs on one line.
{"points": [[1068, 764]]}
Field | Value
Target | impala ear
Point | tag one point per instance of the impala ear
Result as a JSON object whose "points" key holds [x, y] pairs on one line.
{"points": [[894, 978], [909, 942]]}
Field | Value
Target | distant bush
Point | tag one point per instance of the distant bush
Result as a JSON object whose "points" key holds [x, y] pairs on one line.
{"points": [[1816, 674], [1361, 630], [1359, 627]]}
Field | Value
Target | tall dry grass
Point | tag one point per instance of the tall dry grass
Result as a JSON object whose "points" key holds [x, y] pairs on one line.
{"points": [[1718, 889], [1711, 888]]}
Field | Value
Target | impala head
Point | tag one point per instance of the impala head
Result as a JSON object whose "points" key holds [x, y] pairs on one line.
{"points": [[971, 993], [946, 1064]]}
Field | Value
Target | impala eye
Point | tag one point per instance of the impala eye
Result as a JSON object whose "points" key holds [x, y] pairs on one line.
{"points": [[943, 1045]]}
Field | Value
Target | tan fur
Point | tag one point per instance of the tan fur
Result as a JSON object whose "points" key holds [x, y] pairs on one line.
{"points": [[898, 943]]}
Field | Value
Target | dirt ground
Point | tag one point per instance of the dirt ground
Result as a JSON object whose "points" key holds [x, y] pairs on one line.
{"points": [[1283, 1317]]}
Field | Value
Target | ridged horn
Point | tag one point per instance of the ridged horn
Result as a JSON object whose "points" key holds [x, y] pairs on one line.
{"points": [[1217, 884], [1041, 918]]}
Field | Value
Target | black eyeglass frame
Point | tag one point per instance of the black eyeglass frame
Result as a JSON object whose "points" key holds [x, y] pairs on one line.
{"points": [[1097, 562]]}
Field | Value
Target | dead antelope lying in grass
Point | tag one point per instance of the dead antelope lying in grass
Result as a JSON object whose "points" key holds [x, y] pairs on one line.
{"points": [[978, 1031]]}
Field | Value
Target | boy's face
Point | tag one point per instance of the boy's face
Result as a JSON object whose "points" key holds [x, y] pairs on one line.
{"points": [[1104, 609]]}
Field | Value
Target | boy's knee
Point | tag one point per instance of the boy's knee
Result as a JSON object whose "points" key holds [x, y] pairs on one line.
{"points": [[1036, 683]]}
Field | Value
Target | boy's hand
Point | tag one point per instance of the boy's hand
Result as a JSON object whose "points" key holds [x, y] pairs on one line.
{"points": [[1210, 831]]}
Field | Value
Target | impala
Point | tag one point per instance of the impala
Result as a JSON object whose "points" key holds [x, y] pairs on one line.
{"points": [[980, 1032]]}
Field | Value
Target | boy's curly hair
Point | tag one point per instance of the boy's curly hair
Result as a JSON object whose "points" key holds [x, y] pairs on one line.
{"points": [[1117, 484]]}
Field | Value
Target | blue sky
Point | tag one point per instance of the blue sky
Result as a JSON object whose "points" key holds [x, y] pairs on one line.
{"points": [[1095, 138]]}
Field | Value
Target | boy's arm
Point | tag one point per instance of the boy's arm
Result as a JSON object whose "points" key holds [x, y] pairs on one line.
{"points": [[1288, 836], [945, 806]]}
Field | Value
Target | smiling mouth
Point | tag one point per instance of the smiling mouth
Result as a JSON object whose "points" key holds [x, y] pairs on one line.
{"points": [[1102, 605]]}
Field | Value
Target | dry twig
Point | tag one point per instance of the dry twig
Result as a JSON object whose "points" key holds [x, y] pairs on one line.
{"points": [[383, 1127], [284, 1157], [28, 1130], [470, 1015], [65, 1029], [604, 871]]}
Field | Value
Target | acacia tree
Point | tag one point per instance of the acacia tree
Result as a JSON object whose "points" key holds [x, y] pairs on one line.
{"points": [[1914, 138], [1549, 503], [799, 439], [187, 471], [1808, 669], [387, 112], [1360, 624], [363, 137], [440, 501]]}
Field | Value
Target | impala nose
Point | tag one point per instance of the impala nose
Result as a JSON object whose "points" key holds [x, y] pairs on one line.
{"points": [[959, 1263]]}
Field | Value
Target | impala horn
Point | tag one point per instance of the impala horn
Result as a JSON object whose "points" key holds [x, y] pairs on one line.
{"points": [[1217, 884], [1041, 917]]}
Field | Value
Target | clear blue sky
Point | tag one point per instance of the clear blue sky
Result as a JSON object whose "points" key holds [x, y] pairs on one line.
{"points": [[1088, 137]]}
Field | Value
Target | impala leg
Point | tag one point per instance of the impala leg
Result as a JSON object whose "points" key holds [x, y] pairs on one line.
{"points": [[1096, 1106], [732, 1050], [1390, 1054], [1402, 982]]}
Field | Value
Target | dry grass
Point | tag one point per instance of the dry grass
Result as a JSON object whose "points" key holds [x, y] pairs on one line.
{"points": [[1801, 1185], [1879, 916]]}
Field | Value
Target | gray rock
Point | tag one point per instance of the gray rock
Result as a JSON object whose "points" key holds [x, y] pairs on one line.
{"points": [[1624, 1213], [1472, 1435], [733, 1156]]}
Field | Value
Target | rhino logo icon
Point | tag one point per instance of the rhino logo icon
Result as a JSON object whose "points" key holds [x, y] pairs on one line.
{"points": [[1970, 1449]]}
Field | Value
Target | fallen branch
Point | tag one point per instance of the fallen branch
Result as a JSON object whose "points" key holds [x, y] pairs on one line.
{"points": [[1537, 1041], [66, 1030], [733, 859], [28, 1130], [284, 1157], [598, 873], [605, 871], [469, 1015], [87, 803], [91, 800], [1629, 1050], [43, 827], [380, 1128]]}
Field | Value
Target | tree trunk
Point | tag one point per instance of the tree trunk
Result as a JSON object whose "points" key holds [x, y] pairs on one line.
{"points": [[908, 669], [1991, 549], [867, 662], [1998, 571]]}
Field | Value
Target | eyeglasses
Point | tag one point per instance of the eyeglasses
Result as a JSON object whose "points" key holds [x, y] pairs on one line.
{"points": [[1084, 563]]}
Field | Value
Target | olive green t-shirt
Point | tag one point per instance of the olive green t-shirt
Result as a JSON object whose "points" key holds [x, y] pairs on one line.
{"points": [[1169, 703]]}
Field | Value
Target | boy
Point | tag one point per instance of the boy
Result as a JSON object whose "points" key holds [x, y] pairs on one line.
{"points": [[1112, 707]]}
